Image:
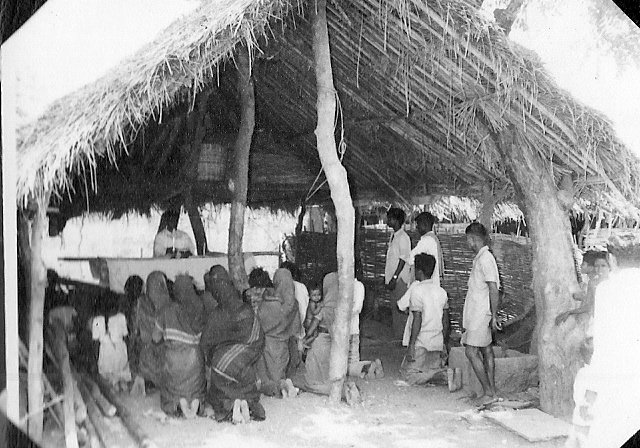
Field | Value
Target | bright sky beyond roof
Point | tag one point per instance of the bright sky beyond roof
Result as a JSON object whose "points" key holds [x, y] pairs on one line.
{"points": [[70, 43], [581, 61]]}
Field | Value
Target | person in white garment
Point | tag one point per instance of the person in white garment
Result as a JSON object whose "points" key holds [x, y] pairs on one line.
{"points": [[427, 244], [427, 302], [607, 391], [479, 315], [396, 270], [171, 242]]}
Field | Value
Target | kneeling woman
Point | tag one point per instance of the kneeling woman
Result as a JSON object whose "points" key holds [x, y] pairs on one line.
{"points": [[180, 325], [232, 341]]}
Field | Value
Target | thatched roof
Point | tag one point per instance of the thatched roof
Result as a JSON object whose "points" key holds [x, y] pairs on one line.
{"points": [[420, 86]]}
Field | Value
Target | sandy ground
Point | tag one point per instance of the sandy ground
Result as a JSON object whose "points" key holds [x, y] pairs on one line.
{"points": [[390, 416]]}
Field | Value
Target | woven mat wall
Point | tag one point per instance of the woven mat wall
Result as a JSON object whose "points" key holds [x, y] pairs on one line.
{"points": [[513, 255], [316, 256]]}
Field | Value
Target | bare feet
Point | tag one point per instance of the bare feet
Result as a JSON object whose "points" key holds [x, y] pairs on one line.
{"points": [[244, 410], [351, 393], [237, 418], [138, 387], [454, 379]]}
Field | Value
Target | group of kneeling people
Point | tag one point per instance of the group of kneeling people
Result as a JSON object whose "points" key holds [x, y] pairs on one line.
{"points": [[216, 352]]}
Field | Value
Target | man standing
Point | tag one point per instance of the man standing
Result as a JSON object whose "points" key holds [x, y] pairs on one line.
{"points": [[480, 308], [396, 271], [430, 245], [171, 242]]}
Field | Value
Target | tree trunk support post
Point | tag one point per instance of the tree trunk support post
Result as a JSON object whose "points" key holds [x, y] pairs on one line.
{"points": [[488, 204], [554, 274], [340, 194], [238, 183], [36, 318], [196, 223]]}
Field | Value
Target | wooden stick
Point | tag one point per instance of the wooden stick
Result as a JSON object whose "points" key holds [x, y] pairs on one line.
{"points": [[62, 355], [129, 422], [80, 406], [94, 440], [54, 403], [107, 408], [96, 419]]}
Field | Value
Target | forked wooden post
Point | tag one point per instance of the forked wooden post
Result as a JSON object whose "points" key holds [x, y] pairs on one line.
{"points": [[340, 194], [36, 317], [238, 183], [554, 275]]}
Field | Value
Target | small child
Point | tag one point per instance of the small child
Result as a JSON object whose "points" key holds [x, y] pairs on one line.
{"points": [[310, 323]]}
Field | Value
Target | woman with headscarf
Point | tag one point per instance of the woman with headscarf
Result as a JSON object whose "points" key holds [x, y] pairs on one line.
{"points": [[277, 310], [180, 326], [232, 342], [150, 359]]}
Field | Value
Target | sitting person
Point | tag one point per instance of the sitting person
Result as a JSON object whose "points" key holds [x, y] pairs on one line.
{"points": [[171, 242], [113, 361], [427, 303], [362, 369], [302, 297], [149, 362], [232, 342], [277, 312], [317, 379], [301, 291], [179, 326], [595, 267], [127, 305]]}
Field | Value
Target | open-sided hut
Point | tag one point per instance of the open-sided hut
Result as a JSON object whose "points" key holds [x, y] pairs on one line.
{"points": [[432, 99]]}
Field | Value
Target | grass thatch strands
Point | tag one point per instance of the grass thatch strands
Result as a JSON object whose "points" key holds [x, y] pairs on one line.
{"points": [[443, 76], [65, 137]]}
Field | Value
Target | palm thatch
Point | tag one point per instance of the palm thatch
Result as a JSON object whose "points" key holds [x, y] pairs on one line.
{"points": [[103, 118], [422, 88]]}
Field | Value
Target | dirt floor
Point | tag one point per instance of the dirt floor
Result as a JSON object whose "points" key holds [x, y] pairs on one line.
{"points": [[392, 415]]}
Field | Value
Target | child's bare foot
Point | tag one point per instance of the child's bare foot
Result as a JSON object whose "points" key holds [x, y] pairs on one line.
{"points": [[237, 417], [289, 390], [244, 410]]}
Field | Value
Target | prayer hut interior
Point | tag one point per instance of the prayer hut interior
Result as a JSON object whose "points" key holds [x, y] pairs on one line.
{"points": [[347, 106]]}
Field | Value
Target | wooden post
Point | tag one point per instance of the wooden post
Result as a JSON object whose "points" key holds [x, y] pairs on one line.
{"points": [[488, 204], [238, 183], [62, 356], [36, 312], [340, 194], [9, 243], [554, 274], [196, 223]]}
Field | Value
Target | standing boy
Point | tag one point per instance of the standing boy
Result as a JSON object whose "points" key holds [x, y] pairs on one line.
{"points": [[480, 308], [429, 307], [396, 271]]}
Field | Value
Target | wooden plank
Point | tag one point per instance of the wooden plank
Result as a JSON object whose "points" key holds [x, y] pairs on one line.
{"points": [[531, 424]]}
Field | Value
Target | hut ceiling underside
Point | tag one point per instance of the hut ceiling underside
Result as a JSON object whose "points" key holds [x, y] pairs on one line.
{"points": [[421, 88]]}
